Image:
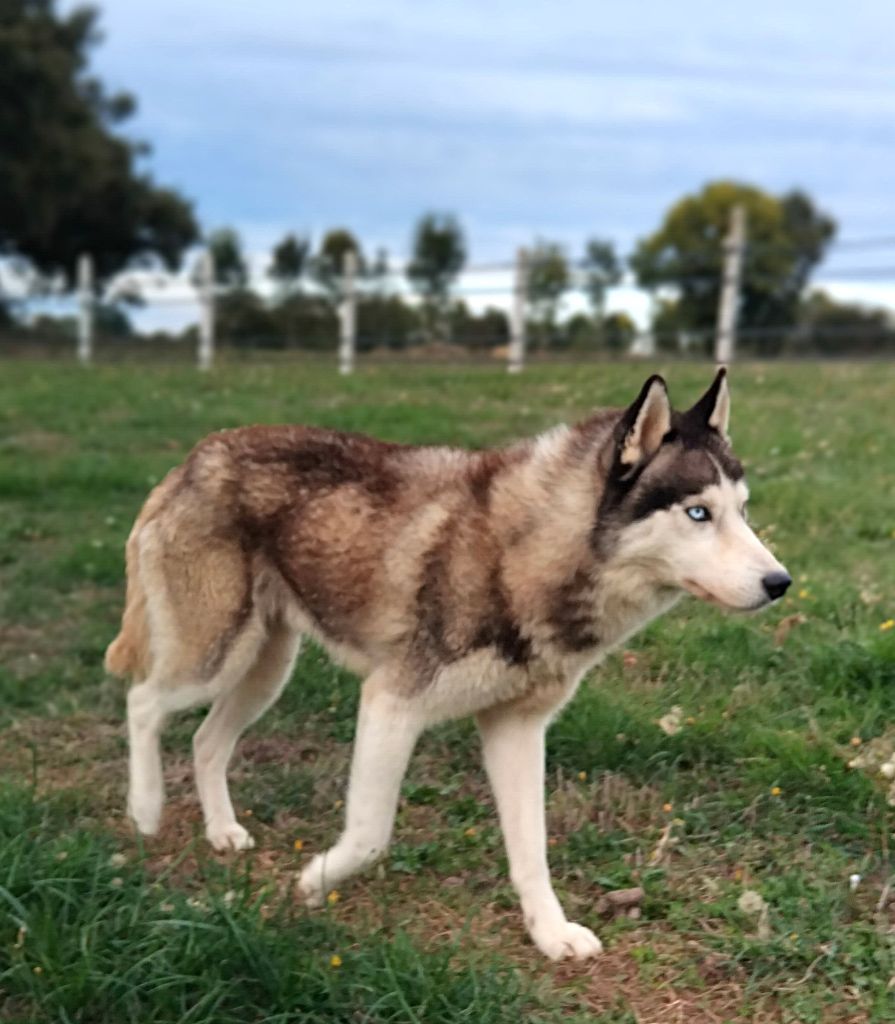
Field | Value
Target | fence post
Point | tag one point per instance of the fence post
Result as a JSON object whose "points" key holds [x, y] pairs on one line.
{"points": [[348, 313], [86, 309], [206, 284], [729, 302], [516, 353]]}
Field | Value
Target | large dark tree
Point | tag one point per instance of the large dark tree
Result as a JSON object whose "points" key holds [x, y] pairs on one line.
{"points": [[787, 237], [69, 181]]}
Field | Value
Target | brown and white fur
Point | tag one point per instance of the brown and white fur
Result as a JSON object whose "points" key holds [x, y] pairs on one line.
{"points": [[458, 583]]}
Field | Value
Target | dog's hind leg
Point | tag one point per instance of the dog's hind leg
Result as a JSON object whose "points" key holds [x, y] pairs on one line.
{"points": [[230, 714], [388, 726], [149, 704], [146, 794], [513, 746]]}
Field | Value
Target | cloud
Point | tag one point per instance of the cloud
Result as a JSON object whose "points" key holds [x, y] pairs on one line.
{"points": [[561, 120]]}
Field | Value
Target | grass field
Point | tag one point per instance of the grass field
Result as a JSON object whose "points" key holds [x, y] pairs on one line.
{"points": [[753, 793]]}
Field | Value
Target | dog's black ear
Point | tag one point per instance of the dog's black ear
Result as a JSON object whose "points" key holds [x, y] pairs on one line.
{"points": [[644, 423], [713, 409]]}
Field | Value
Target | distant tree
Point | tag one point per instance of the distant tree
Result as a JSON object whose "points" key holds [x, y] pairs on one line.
{"points": [[305, 321], [582, 332], [488, 329], [243, 319], [669, 332], [602, 271], [808, 232], [54, 327], [828, 327], [327, 264], [386, 321], [230, 268], [70, 182], [289, 261], [439, 254], [618, 332], [787, 236], [548, 281], [112, 321]]}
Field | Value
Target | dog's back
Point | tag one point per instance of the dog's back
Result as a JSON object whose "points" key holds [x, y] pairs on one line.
{"points": [[339, 530]]}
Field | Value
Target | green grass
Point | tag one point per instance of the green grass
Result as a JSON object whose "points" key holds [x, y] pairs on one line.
{"points": [[754, 792]]}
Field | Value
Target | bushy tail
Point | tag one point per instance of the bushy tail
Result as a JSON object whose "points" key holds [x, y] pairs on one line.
{"points": [[128, 653]]}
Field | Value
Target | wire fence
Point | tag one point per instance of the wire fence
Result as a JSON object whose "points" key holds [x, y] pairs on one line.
{"points": [[491, 313]]}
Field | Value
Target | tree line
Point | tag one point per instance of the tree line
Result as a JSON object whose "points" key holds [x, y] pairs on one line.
{"points": [[401, 308], [73, 182]]}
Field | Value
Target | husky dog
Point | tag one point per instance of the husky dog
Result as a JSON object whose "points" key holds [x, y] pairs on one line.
{"points": [[481, 583]]}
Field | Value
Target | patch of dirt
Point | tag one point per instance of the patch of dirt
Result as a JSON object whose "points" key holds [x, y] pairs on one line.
{"points": [[40, 442], [681, 980]]}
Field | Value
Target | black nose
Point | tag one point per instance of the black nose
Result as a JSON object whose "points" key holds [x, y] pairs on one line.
{"points": [[776, 584]]}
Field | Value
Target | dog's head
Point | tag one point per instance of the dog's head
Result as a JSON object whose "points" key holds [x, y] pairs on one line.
{"points": [[674, 507]]}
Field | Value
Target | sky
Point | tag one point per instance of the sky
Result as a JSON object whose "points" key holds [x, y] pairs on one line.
{"points": [[559, 120]]}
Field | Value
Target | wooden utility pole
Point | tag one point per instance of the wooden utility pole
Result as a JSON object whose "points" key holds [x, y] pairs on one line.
{"points": [[86, 309], [206, 283], [729, 303], [516, 360], [348, 313]]}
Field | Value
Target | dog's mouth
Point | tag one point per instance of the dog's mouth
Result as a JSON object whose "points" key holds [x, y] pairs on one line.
{"points": [[697, 590]]}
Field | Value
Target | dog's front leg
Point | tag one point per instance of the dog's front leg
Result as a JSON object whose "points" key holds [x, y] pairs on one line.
{"points": [[513, 745], [388, 726]]}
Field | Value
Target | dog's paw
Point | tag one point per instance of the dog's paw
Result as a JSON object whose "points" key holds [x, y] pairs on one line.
{"points": [[145, 813], [310, 882], [230, 836], [567, 941]]}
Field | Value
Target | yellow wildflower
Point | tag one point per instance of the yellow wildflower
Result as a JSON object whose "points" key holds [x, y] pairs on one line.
{"points": [[335, 960], [333, 898]]}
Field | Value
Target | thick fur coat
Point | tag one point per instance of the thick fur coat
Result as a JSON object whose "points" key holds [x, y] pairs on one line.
{"points": [[456, 582]]}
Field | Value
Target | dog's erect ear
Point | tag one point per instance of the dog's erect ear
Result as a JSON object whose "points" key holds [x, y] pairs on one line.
{"points": [[645, 422], [713, 409]]}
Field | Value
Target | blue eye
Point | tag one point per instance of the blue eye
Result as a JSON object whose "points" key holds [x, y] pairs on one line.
{"points": [[699, 513]]}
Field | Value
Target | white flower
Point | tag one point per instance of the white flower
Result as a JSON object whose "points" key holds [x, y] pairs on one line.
{"points": [[670, 724], [751, 902]]}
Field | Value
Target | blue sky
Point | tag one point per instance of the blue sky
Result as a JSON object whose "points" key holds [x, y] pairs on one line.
{"points": [[529, 118]]}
